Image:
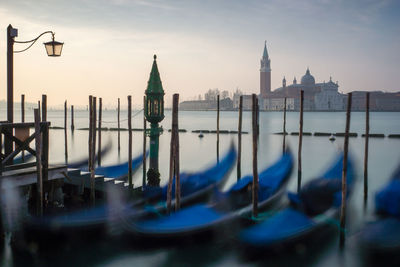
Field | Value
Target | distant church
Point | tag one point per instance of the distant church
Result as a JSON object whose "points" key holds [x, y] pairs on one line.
{"points": [[317, 96]]}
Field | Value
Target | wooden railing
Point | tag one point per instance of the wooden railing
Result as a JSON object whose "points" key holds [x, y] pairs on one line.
{"points": [[7, 134]]}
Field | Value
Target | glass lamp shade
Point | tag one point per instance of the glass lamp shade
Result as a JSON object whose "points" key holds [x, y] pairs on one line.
{"points": [[53, 48], [154, 109]]}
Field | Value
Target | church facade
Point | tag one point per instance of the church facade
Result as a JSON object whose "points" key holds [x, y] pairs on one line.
{"points": [[317, 96]]}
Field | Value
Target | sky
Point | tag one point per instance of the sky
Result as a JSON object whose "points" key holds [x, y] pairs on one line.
{"points": [[200, 45]]}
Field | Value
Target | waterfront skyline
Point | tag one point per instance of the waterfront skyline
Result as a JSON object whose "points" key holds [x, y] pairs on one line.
{"points": [[109, 46]]}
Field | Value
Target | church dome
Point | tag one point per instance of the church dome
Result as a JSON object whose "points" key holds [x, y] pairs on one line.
{"points": [[307, 79]]}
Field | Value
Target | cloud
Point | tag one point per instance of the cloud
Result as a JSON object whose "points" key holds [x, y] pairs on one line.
{"points": [[148, 3]]}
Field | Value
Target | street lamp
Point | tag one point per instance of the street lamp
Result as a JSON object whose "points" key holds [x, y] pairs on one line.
{"points": [[154, 112], [53, 49]]}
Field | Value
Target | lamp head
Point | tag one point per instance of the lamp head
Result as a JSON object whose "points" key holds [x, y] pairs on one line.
{"points": [[53, 48]]}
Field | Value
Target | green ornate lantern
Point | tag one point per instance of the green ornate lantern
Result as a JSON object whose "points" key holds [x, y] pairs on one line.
{"points": [[154, 112], [154, 96]]}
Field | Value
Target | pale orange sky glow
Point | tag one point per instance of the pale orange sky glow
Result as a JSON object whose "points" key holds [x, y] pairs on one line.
{"points": [[109, 47]]}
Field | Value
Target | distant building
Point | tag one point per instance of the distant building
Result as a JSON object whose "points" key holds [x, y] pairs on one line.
{"points": [[265, 74], [224, 104], [322, 96], [197, 105], [317, 96], [378, 101], [247, 101]]}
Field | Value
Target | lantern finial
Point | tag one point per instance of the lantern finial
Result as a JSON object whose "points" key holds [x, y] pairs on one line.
{"points": [[154, 85]]}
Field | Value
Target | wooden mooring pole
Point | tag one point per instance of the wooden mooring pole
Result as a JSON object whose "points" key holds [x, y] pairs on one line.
{"points": [[344, 173], [94, 130], [255, 168], [258, 117], [119, 126], [144, 144], [239, 159], [22, 120], [44, 108], [176, 153], [174, 157], [45, 141], [171, 168], [90, 146], [366, 149], [300, 141], [93, 172], [65, 131], [72, 118], [92, 134], [284, 127], [130, 141], [38, 147], [45, 148], [218, 128], [99, 144], [22, 108]]}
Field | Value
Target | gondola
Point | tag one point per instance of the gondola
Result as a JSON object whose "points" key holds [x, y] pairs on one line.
{"points": [[309, 215], [120, 171], [96, 220], [382, 237], [79, 164], [195, 187], [228, 211], [87, 220]]}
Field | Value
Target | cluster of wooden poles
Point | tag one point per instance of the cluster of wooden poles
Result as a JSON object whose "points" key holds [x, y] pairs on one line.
{"points": [[174, 146], [255, 131], [92, 140], [41, 144]]}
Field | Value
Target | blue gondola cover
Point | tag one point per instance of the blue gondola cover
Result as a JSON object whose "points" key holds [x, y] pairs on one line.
{"points": [[200, 217], [298, 219], [388, 199]]}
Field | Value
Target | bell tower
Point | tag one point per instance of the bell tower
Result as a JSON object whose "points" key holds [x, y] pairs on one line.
{"points": [[265, 73]]}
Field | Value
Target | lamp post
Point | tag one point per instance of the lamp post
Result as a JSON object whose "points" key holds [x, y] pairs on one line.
{"points": [[53, 49], [154, 112]]}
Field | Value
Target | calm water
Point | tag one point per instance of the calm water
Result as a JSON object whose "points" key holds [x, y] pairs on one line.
{"points": [[196, 154]]}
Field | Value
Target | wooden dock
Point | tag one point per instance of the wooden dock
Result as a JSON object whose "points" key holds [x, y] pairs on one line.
{"points": [[28, 176], [82, 178]]}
